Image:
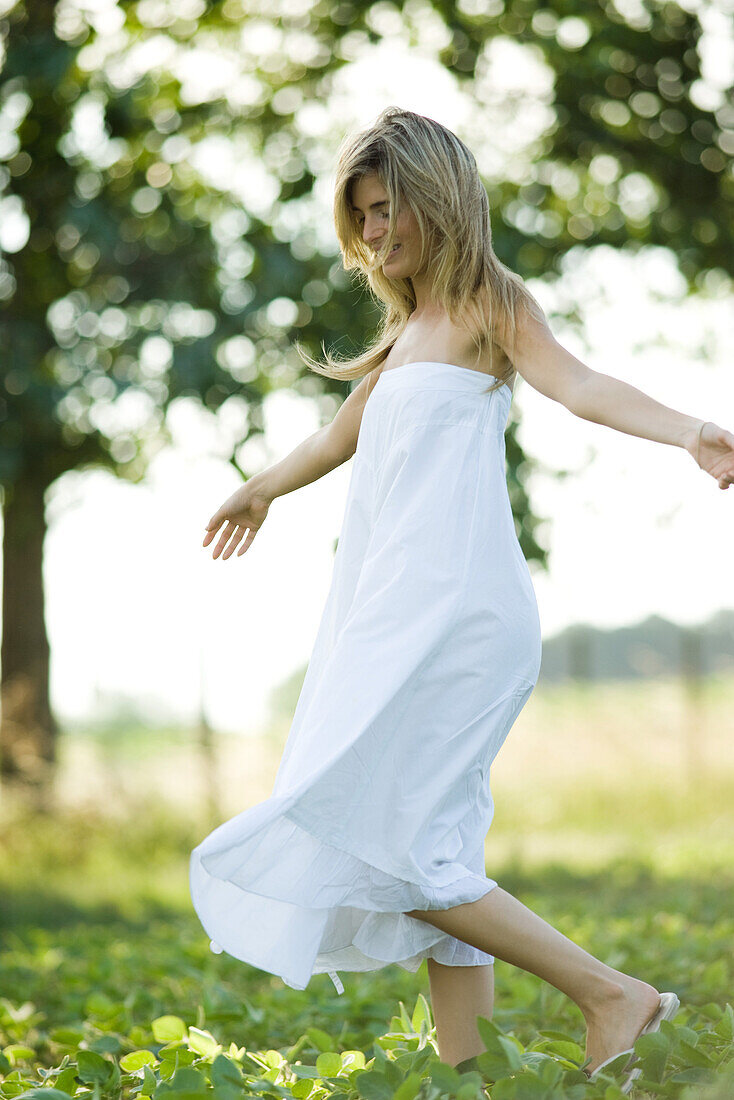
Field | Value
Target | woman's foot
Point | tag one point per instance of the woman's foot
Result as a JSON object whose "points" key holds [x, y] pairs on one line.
{"points": [[615, 1022]]}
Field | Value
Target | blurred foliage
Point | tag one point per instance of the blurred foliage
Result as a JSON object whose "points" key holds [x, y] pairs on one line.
{"points": [[134, 278], [639, 148]]}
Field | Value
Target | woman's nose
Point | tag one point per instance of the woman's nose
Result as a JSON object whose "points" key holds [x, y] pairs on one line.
{"points": [[371, 232]]}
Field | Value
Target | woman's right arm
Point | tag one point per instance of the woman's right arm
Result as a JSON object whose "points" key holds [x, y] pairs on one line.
{"points": [[317, 455]]}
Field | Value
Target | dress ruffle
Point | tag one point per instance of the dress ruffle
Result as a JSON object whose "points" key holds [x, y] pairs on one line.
{"points": [[324, 909]]}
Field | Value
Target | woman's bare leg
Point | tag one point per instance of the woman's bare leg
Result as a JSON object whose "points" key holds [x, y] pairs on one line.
{"points": [[615, 1006], [458, 995]]}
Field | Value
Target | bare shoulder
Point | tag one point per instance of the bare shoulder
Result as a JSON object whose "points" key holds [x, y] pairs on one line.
{"points": [[539, 358], [535, 354], [531, 324]]}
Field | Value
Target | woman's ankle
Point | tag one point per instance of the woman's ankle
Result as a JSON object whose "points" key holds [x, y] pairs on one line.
{"points": [[601, 996]]}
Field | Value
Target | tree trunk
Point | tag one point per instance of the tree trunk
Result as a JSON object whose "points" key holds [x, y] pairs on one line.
{"points": [[27, 729]]}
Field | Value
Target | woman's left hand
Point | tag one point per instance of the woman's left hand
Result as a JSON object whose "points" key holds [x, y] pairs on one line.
{"points": [[713, 450]]}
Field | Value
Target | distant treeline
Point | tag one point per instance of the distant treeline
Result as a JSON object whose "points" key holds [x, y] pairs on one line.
{"points": [[650, 649]]}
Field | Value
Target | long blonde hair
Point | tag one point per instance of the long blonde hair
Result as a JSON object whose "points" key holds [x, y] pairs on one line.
{"points": [[422, 163]]}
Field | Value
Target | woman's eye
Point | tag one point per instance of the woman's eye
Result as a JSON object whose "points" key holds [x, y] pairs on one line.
{"points": [[383, 214]]}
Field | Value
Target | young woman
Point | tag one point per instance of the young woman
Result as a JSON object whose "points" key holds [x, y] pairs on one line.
{"points": [[370, 849]]}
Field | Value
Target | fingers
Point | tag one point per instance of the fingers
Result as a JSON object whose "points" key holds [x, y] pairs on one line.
{"points": [[247, 543], [233, 544], [224, 540], [230, 539], [211, 530]]}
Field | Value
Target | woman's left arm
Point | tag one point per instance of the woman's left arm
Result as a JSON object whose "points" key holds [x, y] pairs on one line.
{"points": [[556, 373]]}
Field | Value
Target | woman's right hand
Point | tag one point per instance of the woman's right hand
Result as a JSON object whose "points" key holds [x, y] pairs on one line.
{"points": [[244, 511]]}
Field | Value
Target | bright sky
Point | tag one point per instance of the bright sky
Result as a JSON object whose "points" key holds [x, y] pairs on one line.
{"points": [[136, 608]]}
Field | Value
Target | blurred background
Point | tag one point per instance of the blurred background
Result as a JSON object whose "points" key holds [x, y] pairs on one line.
{"points": [[166, 176]]}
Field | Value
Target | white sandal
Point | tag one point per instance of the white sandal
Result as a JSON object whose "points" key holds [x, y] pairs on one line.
{"points": [[666, 1010]]}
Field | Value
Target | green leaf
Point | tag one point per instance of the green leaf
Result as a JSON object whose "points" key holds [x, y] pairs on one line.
{"points": [[653, 1050], [105, 1044], [19, 1052], [394, 1073], [174, 1055], [181, 1094], [353, 1060], [302, 1088], [562, 1035], [492, 1064], [514, 1058], [373, 1085], [409, 1087], [522, 1088], [168, 1029], [421, 1014], [569, 1050], [692, 1054], [187, 1083], [446, 1078], [226, 1091], [725, 1026], [467, 1065], [468, 1091], [203, 1042], [93, 1068], [187, 1079], [136, 1059], [149, 1082], [656, 1040], [66, 1080], [488, 1031], [44, 1094], [114, 1079], [273, 1058], [550, 1073], [681, 1032], [224, 1071], [328, 1064]]}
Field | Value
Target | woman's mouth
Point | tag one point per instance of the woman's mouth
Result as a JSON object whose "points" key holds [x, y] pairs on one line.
{"points": [[392, 251]]}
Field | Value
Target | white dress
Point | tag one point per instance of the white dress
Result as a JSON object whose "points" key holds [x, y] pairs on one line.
{"points": [[428, 648]]}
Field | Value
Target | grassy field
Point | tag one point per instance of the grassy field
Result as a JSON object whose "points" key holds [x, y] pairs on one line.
{"points": [[614, 819]]}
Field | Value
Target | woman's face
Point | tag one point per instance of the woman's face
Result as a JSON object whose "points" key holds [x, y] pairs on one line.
{"points": [[370, 206]]}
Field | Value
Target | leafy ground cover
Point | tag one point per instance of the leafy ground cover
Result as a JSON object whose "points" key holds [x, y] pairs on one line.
{"points": [[108, 988]]}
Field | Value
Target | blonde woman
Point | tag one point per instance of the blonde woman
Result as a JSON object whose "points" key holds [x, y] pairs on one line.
{"points": [[370, 849]]}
